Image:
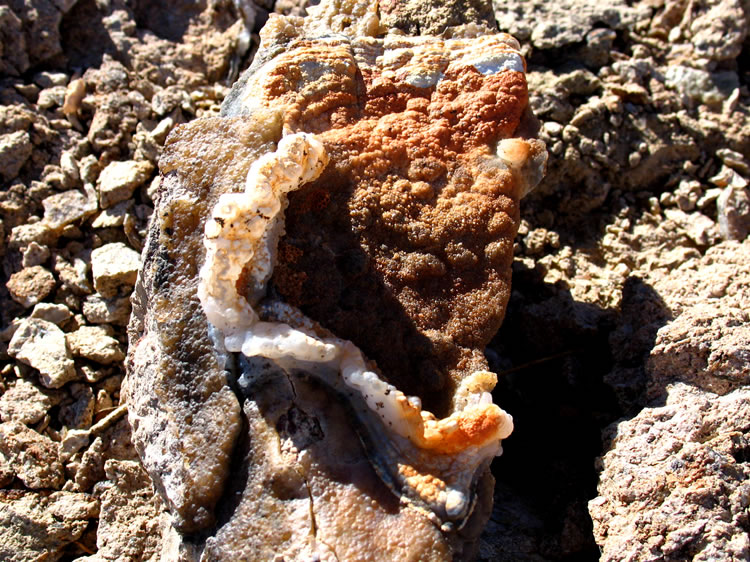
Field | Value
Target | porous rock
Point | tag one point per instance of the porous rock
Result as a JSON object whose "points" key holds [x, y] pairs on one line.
{"points": [[26, 403], [675, 482], [31, 285], [38, 525], [32, 456], [132, 518], [708, 346], [41, 345], [415, 215]]}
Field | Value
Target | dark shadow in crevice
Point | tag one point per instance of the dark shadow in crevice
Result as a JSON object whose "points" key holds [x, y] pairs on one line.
{"points": [[167, 19], [556, 359], [84, 37]]}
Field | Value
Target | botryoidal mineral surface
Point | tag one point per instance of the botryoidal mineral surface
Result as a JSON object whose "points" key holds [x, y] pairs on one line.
{"points": [[327, 261]]}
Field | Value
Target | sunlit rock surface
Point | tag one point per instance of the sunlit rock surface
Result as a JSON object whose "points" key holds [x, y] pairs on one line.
{"points": [[327, 262]]}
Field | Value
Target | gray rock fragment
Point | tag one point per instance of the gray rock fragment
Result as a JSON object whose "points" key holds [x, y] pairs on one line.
{"points": [[551, 25], [708, 346], [733, 209]]}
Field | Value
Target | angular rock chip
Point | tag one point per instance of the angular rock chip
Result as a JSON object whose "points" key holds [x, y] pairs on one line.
{"points": [[66, 208], [15, 149], [99, 310], [41, 344], [119, 180], [26, 403], [31, 285], [38, 525], [93, 342], [32, 456], [114, 266], [333, 254]]}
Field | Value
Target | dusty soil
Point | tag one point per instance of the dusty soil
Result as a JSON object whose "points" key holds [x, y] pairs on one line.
{"points": [[630, 276]]}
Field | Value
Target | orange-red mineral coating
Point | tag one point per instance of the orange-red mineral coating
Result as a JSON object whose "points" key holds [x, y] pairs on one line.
{"points": [[405, 242]]}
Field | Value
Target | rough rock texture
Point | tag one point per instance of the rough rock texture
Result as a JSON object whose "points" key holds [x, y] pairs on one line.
{"points": [[32, 457], [41, 344], [411, 225], [131, 519], [675, 483], [642, 215], [38, 525]]}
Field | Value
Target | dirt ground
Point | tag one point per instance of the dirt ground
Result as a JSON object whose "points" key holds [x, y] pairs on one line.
{"points": [[624, 356]]}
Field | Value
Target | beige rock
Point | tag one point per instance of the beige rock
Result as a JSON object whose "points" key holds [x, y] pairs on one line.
{"points": [[35, 254], [95, 343], [25, 402], [37, 526], [115, 267], [31, 285], [33, 457], [55, 313], [99, 310], [132, 518], [15, 149], [24, 234], [119, 180], [114, 216], [67, 208], [41, 344]]}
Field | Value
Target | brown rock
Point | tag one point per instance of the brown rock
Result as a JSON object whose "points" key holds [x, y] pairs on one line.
{"points": [[26, 403], [33, 457], [402, 245], [38, 525], [132, 517], [31, 285]]}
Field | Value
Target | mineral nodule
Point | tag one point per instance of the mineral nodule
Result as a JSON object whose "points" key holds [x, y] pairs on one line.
{"points": [[328, 261]]}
